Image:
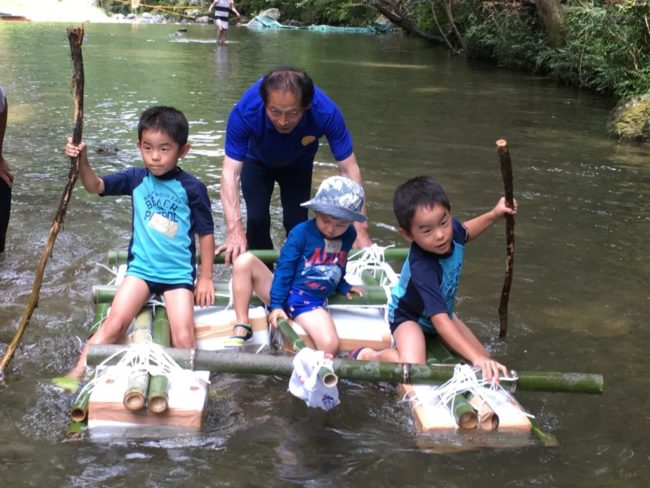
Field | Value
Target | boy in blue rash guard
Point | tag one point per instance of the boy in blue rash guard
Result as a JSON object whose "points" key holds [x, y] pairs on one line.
{"points": [[169, 208], [423, 300], [311, 267]]}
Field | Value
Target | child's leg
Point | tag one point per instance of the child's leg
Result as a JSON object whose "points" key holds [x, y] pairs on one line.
{"points": [[249, 274], [410, 346], [129, 299], [180, 311], [319, 325]]}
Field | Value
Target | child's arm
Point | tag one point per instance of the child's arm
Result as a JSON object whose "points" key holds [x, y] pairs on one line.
{"points": [[91, 182], [232, 7], [204, 290], [461, 339], [477, 225]]}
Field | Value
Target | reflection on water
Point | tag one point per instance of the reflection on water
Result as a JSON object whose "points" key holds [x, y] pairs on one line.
{"points": [[578, 303]]}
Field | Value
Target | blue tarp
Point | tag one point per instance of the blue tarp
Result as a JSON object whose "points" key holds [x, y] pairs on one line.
{"points": [[263, 22]]}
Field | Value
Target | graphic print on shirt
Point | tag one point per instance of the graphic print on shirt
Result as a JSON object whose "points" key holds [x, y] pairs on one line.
{"points": [[324, 268], [162, 212]]}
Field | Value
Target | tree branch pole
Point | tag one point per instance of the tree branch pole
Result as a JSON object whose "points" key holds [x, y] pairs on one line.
{"points": [[75, 37], [506, 173]]}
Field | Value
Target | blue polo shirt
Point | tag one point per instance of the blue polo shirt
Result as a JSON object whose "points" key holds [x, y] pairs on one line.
{"points": [[251, 135], [428, 283], [168, 211]]}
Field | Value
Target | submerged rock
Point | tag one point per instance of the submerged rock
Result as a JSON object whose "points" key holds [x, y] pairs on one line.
{"points": [[630, 120]]}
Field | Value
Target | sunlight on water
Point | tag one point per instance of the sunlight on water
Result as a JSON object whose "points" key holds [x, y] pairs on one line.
{"points": [[579, 296]]}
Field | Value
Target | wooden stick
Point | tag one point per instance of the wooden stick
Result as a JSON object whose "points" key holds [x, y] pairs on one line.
{"points": [[506, 173], [75, 37]]}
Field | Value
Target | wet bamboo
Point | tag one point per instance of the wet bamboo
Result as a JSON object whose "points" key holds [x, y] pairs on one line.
{"points": [[75, 38], [116, 258], [138, 382], [372, 296], [326, 374], [464, 414], [545, 438], [506, 173], [158, 394], [79, 410], [246, 363]]}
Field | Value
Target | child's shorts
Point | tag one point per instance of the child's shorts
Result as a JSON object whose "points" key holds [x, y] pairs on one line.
{"points": [[299, 302], [160, 288]]}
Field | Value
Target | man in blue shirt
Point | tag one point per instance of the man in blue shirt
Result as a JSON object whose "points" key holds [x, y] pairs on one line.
{"points": [[272, 135]]}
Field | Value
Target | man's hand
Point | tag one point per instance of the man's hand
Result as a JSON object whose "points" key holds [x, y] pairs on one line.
{"points": [[354, 290], [235, 245]]}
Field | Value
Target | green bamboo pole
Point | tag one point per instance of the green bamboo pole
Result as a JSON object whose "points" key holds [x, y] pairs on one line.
{"points": [[464, 414], [372, 296], [101, 310], [246, 363], [545, 438], [327, 375], [158, 394], [138, 382], [270, 256], [79, 410]]}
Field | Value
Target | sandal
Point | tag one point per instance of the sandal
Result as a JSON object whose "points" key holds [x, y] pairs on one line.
{"points": [[239, 340]]}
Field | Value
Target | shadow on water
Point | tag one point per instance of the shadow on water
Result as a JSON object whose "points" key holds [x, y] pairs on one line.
{"points": [[579, 297]]}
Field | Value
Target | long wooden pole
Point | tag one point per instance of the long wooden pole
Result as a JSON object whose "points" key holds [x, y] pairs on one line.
{"points": [[116, 258], [247, 363], [75, 37], [506, 173]]}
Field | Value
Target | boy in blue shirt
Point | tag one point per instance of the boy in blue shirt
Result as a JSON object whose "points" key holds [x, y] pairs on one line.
{"points": [[169, 207], [311, 267], [423, 300]]}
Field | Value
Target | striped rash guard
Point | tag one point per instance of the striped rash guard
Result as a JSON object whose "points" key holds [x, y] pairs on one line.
{"points": [[428, 283], [167, 212]]}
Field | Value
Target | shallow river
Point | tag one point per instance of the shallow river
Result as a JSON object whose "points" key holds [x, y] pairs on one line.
{"points": [[579, 299]]}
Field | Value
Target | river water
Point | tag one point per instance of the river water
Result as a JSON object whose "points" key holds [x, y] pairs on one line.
{"points": [[579, 299]]}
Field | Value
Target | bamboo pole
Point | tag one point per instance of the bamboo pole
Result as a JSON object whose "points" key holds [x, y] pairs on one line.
{"points": [[158, 394], [506, 173], [79, 410], [115, 258], [138, 382], [372, 296], [327, 375], [75, 37], [464, 414], [246, 363]]}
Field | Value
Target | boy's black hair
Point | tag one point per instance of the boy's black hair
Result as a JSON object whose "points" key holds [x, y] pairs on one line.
{"points": [[288, 79], [165, 119], [421, 191]]}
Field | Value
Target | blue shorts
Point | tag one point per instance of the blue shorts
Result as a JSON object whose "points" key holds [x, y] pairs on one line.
{"points": [[299, 302], [160, 288], [400, 316]]}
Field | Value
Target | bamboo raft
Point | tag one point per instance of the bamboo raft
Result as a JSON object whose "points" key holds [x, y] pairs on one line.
{"points": [[124, 401]]}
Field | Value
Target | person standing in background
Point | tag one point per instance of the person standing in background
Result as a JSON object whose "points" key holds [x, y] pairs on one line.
{"points": [[6, 176], [222, 9]]}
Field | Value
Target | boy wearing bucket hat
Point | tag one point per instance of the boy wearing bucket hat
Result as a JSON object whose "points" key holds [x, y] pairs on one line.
{"points": [[311, 267]]}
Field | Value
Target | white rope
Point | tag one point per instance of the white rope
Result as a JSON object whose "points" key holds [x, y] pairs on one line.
{"points": [[142, 358], [464, 380]]}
